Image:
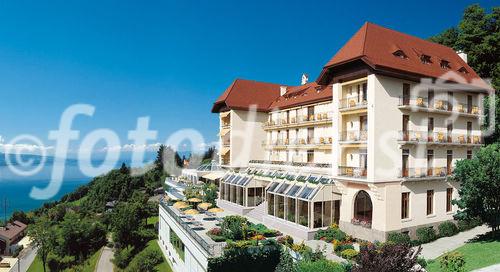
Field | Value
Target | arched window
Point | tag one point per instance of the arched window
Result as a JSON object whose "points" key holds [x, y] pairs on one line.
{"points": [[363, 207]]}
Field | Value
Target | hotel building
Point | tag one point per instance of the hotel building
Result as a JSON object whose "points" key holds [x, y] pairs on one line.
{"points": [[369, 145]]}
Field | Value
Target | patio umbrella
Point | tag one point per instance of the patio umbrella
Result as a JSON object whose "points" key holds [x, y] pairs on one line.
{"points": [[181, 205], [215, 210], [194, 200], [205, 205], [191, 212]]}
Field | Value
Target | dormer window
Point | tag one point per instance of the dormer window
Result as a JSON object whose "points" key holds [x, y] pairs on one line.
{"points": [[400, 54], [425, 59], [445, 64], [463, 70]]}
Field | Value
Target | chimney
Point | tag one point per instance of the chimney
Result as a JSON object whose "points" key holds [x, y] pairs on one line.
{"points": [[282, 90], [305, 78], [462, 55]]}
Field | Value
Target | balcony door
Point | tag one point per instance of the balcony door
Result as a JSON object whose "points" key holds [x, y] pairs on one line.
{"points": [[365, 92], [430, 129], [469, 103], [449, 162], [363, 162], [430, 98], [406, 124], [310, 135], [450, 101], [404, 162], [430, 162], [469, 132], [406, 94]]}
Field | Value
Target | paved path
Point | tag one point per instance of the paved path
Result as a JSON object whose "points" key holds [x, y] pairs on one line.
{"points": [[440, 246], [105, 264], [28, 256], [493, 268]]}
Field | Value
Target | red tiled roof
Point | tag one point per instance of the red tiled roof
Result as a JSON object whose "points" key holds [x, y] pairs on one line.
{"points": [[242, 94], [301, 95], [375, 45], [12, 230]]}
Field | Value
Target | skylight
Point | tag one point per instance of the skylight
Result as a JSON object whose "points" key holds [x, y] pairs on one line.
{"points": [[400, 54], [425, 59], [445, 64]]}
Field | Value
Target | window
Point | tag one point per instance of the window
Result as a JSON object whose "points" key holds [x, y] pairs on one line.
{"points": [[445, 64], [430, 97], [463, 70], [177, 243], [400, 54], [365, 91], [405, 205], [469, 132], [430, 202], [425, 59], [449, 130], [449, 197], [363, 207], [469, 103], [310, 156], [469, 154]]}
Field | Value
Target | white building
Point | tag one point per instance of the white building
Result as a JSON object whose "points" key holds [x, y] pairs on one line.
{"points": [[366, 146]]}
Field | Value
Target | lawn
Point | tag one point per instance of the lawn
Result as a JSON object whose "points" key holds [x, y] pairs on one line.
{"points": [[88, 266], [152, 220], [164, 266], [478, 254]]}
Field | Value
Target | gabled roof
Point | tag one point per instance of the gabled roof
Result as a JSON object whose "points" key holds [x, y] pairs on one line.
{"points": [[242, 94], [376, 45], [302, 95], [12, 230]]}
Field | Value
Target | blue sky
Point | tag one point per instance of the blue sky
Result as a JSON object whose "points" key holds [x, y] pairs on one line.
{"points": [[171, 59]]}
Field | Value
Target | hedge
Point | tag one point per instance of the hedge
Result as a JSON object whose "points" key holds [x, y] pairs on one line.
{"points": [[426, 235], [447, 229]]}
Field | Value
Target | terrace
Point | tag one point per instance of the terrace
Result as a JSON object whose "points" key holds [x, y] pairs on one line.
{"points": [[300, 121], [420, 103], [425, 172], [196, 227], [438, 138], [302, 142]]}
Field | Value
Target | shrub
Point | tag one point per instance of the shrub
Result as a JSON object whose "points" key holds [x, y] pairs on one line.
{"points": [[464, 225], [388, 257], [234, 227], [319, 266], [426, 235], [330, 234], [215, 231], [452, 262], [339, 247], [286, 264], [422, 262], [263, 257], [258, 237], [145, 260], [447, 228], [309, 255], [123, 256], [285, 240], [349, 254], [299, 247], [399, 238]]}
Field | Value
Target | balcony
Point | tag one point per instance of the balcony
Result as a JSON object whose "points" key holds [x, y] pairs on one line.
{"points": [[354, 172], [301, 164], [419, 173], [299, 121], [438, 138], [354, 103], [320, 142], [355, 136], [420, 103]]}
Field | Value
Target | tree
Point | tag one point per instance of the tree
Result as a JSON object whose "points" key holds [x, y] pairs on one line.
{"points": [[286, 263], [42, 237], [160, 159], [210, 193], [478, 35], [388, 257], [479, 180]]}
